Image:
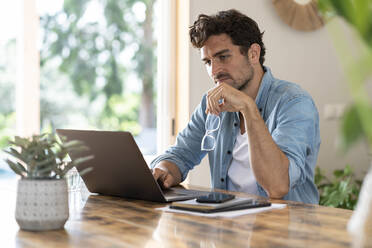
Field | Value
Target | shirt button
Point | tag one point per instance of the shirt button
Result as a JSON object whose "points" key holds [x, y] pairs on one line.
{"points": [[229, 152], [260, 109], [235, 124], [222, 180]]}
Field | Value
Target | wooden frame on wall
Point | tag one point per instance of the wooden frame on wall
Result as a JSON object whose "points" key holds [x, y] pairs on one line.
{"points": [[299, 14]]}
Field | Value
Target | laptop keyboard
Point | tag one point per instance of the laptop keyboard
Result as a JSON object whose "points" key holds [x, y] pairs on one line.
{"points": [[183, 192], [172, 194]]}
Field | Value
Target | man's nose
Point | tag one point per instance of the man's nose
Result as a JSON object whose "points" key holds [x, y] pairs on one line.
{"points": [[215, 69]]}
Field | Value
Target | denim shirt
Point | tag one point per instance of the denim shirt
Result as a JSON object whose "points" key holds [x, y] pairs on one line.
{"points": [[292, 120]]}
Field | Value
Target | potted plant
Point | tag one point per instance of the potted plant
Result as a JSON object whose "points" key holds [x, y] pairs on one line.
{"points": [[42, 195]]}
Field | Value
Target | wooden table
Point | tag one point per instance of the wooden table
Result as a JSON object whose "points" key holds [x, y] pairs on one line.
{"points": [[104, 221]]}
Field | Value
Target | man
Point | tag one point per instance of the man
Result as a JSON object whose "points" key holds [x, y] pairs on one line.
{"points": [[268, 140]]}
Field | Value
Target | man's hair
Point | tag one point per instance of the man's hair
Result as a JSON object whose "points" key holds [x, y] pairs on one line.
{"points": [[242, 30]]}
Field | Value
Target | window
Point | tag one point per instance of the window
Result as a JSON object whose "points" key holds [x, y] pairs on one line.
{"points": [[98, 67], [8, 67], [96, 70]]}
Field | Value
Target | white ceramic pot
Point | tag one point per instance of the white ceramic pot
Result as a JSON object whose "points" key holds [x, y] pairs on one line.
{"points": [[42, 204]]}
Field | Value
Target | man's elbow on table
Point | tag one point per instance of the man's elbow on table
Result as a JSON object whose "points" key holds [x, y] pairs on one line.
{"points": [[278, 191]]}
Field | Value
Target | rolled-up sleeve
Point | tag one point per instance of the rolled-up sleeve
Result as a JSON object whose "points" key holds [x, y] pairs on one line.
{"points": [[296, 135], [186, 152]]}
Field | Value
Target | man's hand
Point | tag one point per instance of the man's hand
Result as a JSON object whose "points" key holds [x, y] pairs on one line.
{"points": [[165, 179], [167, 174], [233, 100]]}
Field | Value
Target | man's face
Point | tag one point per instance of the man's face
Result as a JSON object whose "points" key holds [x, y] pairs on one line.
{"points": [[225, 63]]}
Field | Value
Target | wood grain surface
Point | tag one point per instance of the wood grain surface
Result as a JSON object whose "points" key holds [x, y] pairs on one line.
{"points": [[105, 221]]}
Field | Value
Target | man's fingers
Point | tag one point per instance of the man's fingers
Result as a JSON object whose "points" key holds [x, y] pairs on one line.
{"points": [[209, 109], [164, 178], [157, 173], [216, 98], [169, 180], [213, 100]]}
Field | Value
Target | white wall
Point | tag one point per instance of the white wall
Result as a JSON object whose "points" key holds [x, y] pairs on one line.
{"points": [[306, 58]]}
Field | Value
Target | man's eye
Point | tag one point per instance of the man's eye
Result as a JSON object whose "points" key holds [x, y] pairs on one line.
{"points": [[223, 57], [207, 62]]}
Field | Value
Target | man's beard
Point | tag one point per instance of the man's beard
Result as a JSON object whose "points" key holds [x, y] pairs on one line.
{"points": [[247, 80]]}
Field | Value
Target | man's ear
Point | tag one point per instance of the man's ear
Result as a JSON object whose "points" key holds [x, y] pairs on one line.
{"points": [[254, 53]]}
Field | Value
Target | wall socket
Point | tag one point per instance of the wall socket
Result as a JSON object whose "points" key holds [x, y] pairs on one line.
{"points": [[334, 111]]}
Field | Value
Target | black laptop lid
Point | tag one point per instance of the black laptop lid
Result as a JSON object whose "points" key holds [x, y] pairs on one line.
{"points": [[119, 168]]}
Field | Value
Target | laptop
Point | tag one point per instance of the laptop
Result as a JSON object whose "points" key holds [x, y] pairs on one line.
{"points": [[119, 168]]}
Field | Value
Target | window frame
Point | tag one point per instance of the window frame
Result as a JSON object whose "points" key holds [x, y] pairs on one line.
{"points": [[28, 70]]}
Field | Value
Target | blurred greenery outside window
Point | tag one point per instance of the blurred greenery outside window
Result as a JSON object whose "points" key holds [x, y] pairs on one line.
{"points": [[97, 68], [7, 77], [7, 91]]}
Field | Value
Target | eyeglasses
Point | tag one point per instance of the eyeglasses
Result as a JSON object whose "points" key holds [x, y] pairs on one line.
{"points": [[212, 124]]}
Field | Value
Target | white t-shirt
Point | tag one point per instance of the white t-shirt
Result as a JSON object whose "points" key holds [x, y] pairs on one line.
{"points": [[240, 176]]}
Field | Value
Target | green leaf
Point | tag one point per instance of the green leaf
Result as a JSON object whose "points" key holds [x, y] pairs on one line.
{"points": [[351, 128], [318, 178], [23, 142], [338, 173], [72, 143], [343, 187], [348, 171], [85, 171], [343, 8], [50, 160], [17, 168], [325, 7], [75, 163], [82, 160], [16, 154], [44, 172]]}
